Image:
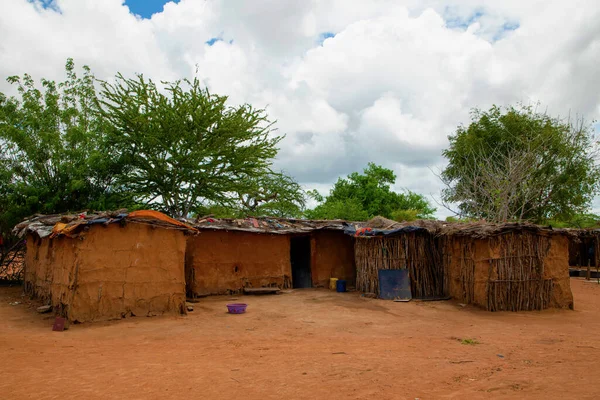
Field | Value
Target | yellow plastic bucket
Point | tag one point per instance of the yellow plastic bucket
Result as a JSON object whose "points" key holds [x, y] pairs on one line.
{"points": [[332, 283]]}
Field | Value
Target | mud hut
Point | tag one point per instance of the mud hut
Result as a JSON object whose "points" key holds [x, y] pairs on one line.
{"points": [[509, 267], [498, 267], [106, 266], [229, 255]]}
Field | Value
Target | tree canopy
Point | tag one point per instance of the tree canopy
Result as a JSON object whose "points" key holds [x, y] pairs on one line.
{"points": [[54, 155], [174, 147], [362, 196], [185, 148], [518, 164]]}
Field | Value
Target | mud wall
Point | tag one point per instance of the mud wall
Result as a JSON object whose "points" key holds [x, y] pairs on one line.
{"points": [[49, 265], [110, 272], [332, 256], [556, 267], [483, 253], [219, 262], [136, 270]]}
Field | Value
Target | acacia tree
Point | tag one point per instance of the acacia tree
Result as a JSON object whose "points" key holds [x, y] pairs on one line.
{"points": [[361, 196], [518, 164], [274, 194], [186, 148], [271, 194]]}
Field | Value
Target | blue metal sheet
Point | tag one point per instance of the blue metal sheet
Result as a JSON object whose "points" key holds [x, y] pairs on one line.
{"points": [[98, 221], [394, 284]]}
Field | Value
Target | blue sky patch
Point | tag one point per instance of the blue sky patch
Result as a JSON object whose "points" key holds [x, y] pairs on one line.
{"points": [[506, 28], [212, 41], [454, 21], [145, 8], [462, 23], [325, 35], [46, 4]]}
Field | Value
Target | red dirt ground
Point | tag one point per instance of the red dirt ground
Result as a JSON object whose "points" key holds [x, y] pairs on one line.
{"points": [[308, 344]]}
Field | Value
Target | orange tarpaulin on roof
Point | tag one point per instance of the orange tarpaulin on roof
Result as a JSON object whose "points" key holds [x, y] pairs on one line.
{"points": [[65, 229], [58, 227], [150, 214]]}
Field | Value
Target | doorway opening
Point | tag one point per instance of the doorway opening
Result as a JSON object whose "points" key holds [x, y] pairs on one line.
{"points": [[300, 260]]}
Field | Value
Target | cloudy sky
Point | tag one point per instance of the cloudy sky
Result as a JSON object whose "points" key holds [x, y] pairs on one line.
{"points": [[348, 81]]}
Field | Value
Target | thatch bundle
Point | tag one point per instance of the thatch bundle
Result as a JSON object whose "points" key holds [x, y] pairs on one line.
{"points": [[381, 223]]}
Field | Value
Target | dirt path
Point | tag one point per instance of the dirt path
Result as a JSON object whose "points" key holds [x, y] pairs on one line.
{"points": [[309, 344]]}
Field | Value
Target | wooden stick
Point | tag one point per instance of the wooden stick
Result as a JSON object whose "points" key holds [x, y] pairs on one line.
{"points": [[588, 274]]}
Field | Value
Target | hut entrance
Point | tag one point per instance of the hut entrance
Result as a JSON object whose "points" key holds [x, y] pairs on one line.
{"points": [[300, 260]]}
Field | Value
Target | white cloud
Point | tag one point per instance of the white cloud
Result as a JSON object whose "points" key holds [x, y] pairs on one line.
{"points": [[394, 81]]}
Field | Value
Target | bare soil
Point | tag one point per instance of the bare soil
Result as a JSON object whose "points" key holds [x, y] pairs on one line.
{"points": [[308, 344]]}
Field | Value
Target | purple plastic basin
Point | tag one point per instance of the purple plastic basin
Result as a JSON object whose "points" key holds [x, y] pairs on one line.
{"points": [[237, 308]]}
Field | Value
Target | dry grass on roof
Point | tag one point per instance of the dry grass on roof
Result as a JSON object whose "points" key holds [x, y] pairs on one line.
{"points": [[269, 224], [477, 229]]}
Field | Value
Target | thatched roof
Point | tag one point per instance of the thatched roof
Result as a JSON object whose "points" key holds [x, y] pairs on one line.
{"points": [[585, 232], [270, 225], [73, 224], [380, 226]]}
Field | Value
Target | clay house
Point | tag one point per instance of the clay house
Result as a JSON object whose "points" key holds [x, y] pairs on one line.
{"points": [[229, 255], [107, 265]]}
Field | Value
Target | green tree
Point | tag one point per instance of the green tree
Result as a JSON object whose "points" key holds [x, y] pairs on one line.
{"points": [[350, 209], [579, 221], [362, 196], [186, 149], [54, 156], [518, 164], [273, 194]]}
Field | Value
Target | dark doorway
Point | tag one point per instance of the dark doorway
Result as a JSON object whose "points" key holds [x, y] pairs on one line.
{"points": [[582, 252], [300, 259]]}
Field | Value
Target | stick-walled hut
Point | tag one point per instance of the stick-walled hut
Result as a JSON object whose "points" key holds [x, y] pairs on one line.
{"points": [[106, 266], [499, 267], [229, 255]]}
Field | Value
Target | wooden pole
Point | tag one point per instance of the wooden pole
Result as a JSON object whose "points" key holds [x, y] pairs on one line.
{"points": [[588, 274]]}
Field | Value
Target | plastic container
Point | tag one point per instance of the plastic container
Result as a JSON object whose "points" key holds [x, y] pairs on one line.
{"points": [[333, 283], [340, 286], [237, 308]]}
